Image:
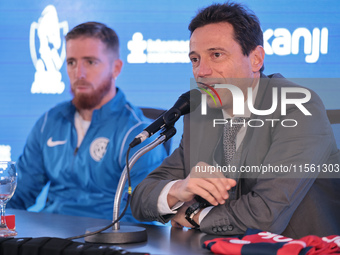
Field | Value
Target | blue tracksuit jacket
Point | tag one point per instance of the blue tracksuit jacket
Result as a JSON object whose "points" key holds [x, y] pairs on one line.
{"points": [[83, 180]]}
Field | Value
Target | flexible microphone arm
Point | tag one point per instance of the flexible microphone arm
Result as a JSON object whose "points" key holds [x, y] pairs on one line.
{"points": [[164, 136], [126, 234]]}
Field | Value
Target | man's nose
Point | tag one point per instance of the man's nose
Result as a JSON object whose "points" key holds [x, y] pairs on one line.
{"points": [[204, 69], [80, 71]]}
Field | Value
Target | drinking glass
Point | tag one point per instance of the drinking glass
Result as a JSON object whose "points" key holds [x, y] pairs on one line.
{"points": [[8, 184]]}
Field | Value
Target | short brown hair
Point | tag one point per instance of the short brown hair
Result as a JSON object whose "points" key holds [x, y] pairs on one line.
{"points": [[247, 30], [96, 30]]}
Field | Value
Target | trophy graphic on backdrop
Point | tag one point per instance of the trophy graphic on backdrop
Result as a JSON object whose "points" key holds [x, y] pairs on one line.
{"points": [[48, 61]]}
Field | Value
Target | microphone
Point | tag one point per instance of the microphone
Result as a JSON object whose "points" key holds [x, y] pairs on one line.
{"points": [[185, 104]]}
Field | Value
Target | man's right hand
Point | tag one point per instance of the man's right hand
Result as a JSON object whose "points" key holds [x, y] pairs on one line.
{"points": [[212, 186]]}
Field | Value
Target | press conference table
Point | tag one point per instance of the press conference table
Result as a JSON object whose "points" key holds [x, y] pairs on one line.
{"points": [[161, 239]]}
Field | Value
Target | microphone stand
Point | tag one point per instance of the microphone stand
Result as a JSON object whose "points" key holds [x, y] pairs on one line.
{"points": [[127, 234]]}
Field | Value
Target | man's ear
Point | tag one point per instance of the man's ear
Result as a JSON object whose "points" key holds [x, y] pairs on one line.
{"points": [[117, 68], [257, 58]]}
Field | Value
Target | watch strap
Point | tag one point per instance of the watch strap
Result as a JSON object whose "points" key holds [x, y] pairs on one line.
{"points": [[191, 211]]}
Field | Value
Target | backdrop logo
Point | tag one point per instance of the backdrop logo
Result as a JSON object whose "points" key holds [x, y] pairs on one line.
{"points": [[51, 54], [285, 43], [157, 51]]}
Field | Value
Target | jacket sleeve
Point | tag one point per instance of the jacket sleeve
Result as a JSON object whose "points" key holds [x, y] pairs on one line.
{"points": [[30, 168], [145, 196]]}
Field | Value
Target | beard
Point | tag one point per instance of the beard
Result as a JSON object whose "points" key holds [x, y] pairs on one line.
{"points": [[88, 101]]}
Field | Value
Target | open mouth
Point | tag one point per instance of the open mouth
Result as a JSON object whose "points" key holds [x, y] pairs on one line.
{"points": [[205, 85]]}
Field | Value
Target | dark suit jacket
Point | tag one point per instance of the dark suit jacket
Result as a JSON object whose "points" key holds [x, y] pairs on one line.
{"points": [[293, 204]]}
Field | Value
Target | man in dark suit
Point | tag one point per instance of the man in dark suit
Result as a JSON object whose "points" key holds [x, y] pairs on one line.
{"points": [[276, 169]]}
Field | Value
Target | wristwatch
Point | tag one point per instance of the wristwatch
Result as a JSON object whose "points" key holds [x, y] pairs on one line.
{"points": [[194, 209], [191, 211]]}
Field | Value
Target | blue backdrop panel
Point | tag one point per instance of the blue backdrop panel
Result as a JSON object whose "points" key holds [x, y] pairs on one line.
{"points": [[301, 41]]}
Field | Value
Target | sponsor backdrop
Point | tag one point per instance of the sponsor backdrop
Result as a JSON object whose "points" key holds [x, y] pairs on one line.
{"points": [[301, 38]]}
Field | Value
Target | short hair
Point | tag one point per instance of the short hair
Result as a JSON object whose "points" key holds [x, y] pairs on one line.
{"points": [[247, 30], [96, 30]]}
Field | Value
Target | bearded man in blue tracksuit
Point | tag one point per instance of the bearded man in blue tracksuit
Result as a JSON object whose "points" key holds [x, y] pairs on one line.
{"points": [[80, 146]]}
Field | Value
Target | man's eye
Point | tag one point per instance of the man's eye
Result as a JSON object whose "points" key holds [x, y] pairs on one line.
{"points": [[217, 54], [70, 63], [194, 60]]}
